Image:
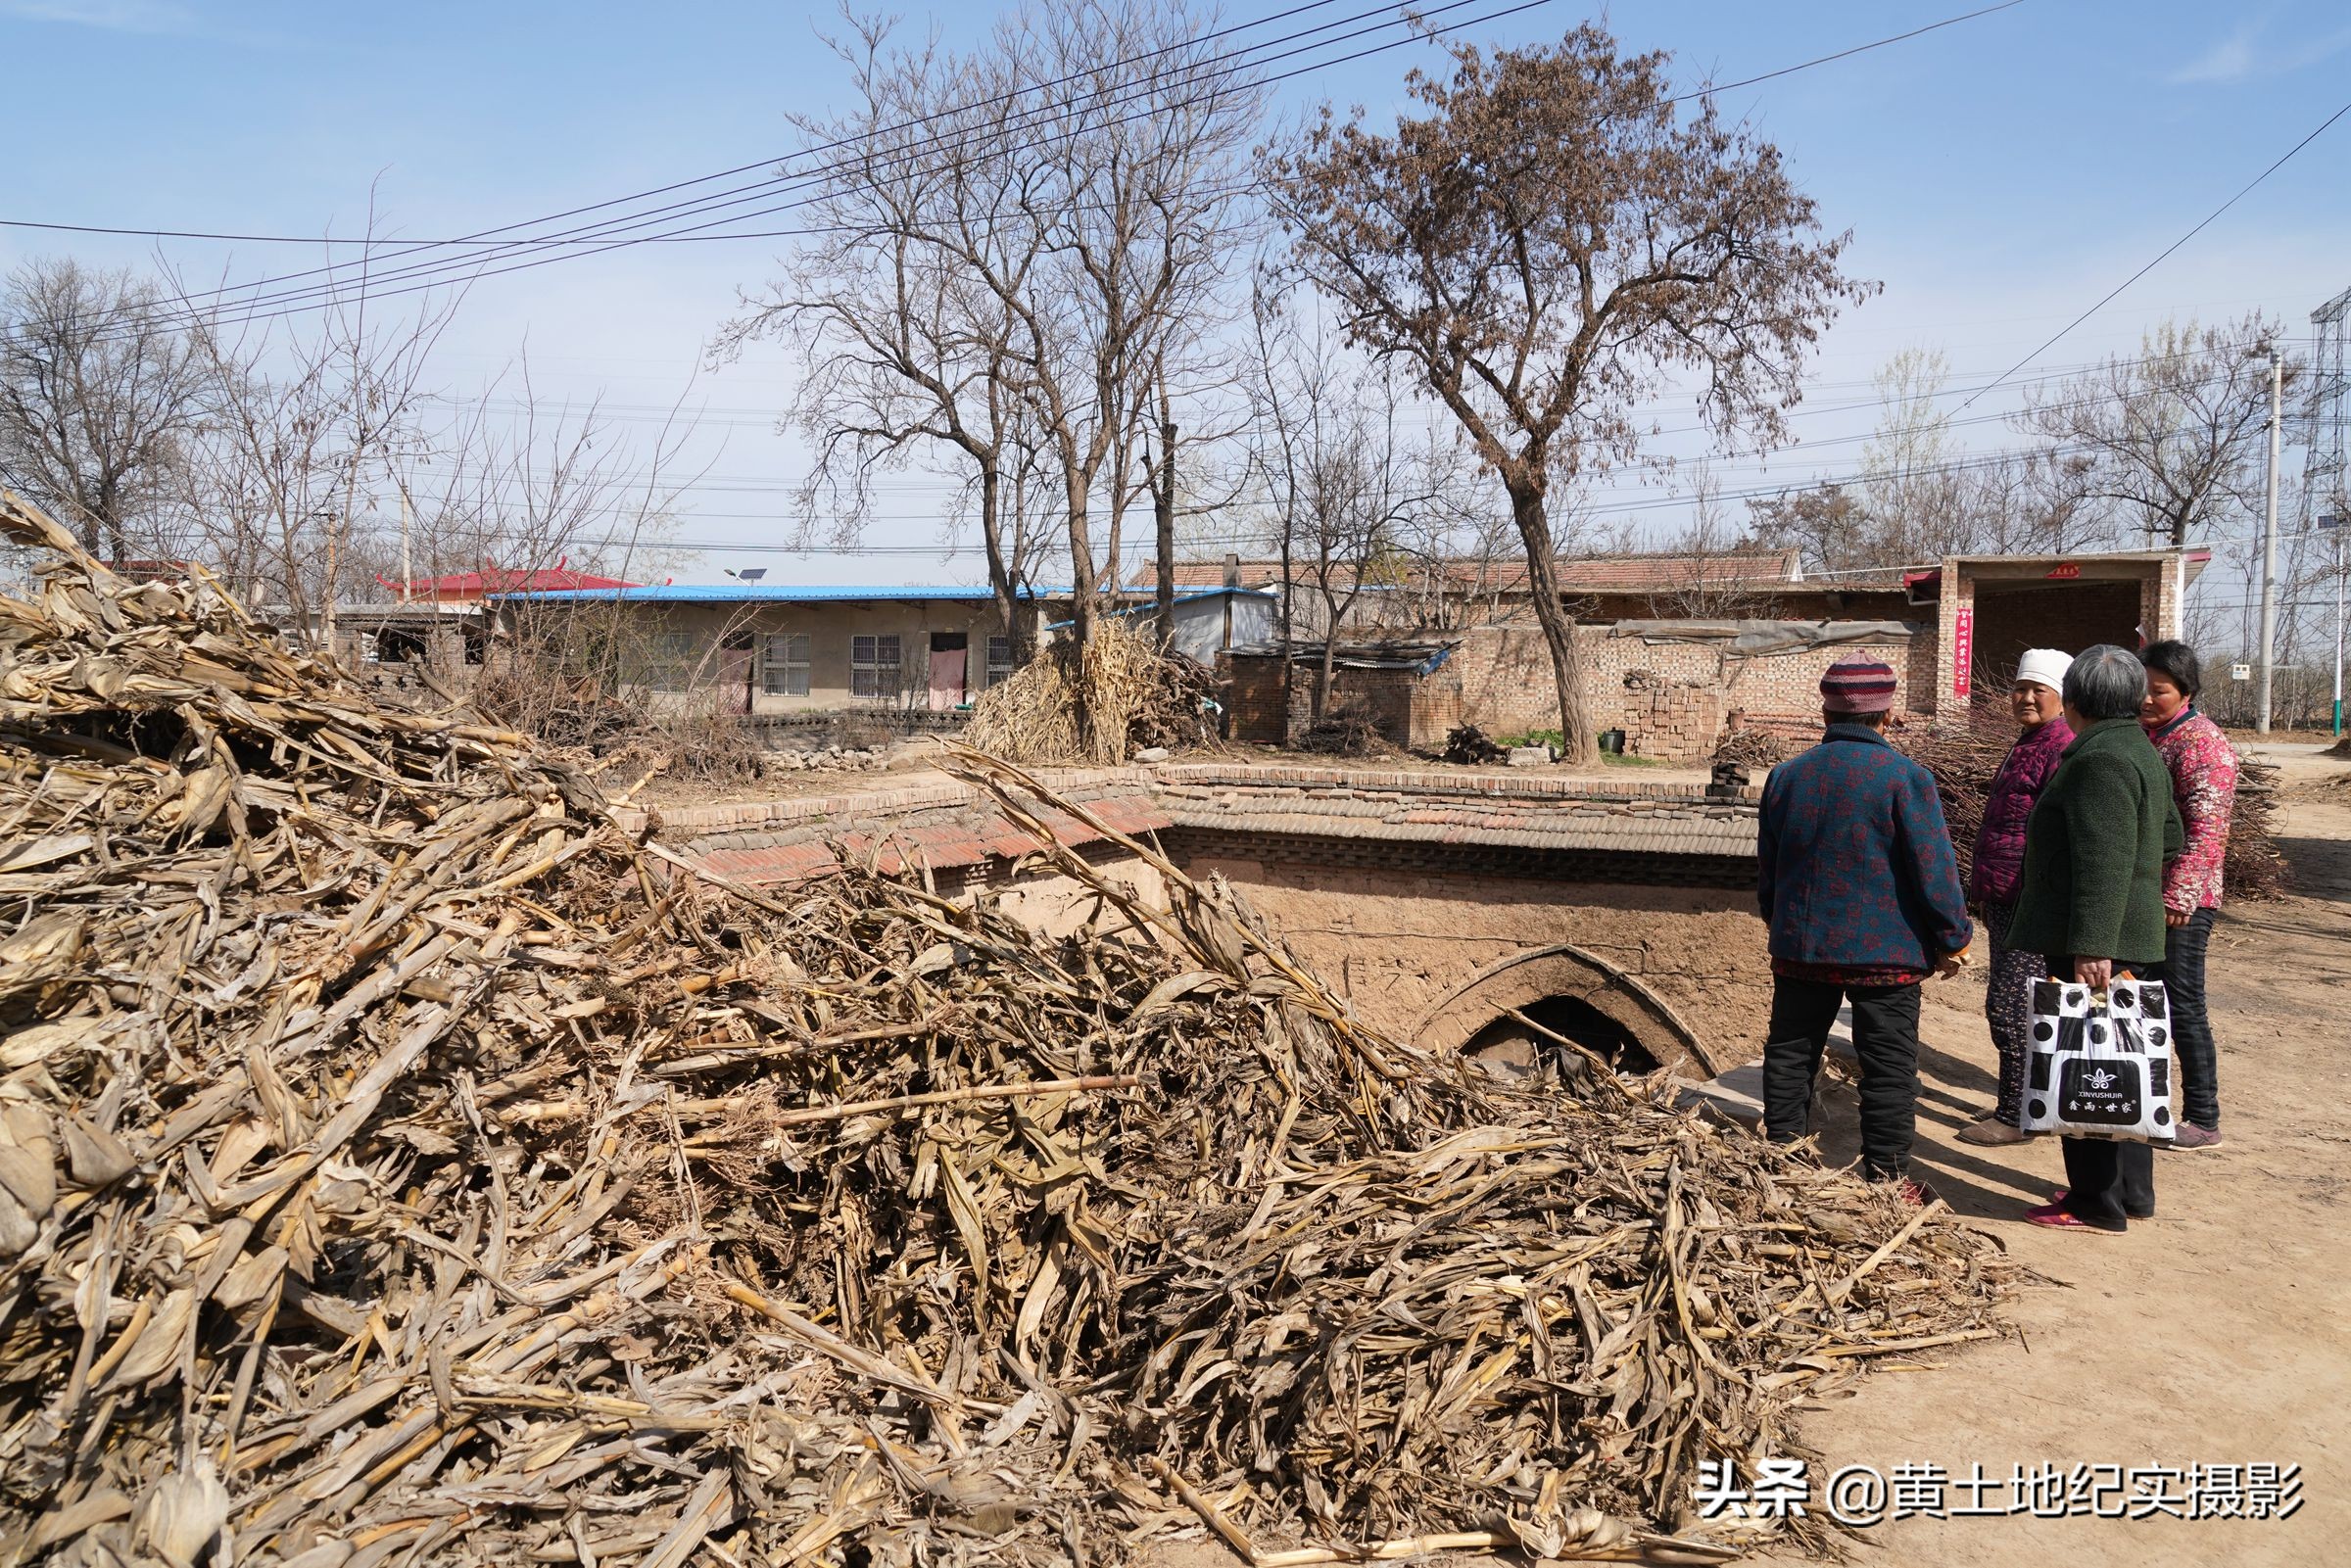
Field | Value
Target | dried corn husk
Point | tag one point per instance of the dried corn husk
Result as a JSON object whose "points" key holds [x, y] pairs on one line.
{"points": [[403, 1161]]}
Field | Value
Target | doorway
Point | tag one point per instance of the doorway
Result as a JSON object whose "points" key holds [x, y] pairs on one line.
{"points": [[950, 670]]}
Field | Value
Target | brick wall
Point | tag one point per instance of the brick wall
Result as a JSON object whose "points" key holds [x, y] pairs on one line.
{"points": [[1681, 697]]}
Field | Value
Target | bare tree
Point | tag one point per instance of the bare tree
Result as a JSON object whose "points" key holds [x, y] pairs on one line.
{"points": [[1023, 234], [1550, 245], [2174, 434], [1824, 524], [310, 425], [1331, 445], [905, 356], [100, 392], [1713, 562]]}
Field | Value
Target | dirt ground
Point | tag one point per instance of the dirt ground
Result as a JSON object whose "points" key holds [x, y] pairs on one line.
{"points": [[2214, 1334]]}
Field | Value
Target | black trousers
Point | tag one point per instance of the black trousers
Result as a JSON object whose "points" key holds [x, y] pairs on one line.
{"points": [[2196, 1054], [1885, 1038], [2109, 1184]]}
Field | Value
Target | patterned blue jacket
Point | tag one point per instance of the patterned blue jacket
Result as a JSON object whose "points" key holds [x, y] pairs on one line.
{"points": [[1858, 868]]}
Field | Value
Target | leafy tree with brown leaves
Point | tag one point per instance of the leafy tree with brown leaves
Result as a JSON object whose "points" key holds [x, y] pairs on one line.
{"points": [[1551, 245]]}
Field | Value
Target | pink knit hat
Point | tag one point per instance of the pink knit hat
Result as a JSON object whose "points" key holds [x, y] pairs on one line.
{"points": [[1858, 684]]}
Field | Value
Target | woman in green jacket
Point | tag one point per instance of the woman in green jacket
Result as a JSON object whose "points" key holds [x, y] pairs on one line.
{"points": [[2090, 896]]}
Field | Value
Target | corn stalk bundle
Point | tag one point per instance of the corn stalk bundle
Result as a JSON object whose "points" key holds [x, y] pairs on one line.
{"points": [[1094, 702], [401, 1162]]}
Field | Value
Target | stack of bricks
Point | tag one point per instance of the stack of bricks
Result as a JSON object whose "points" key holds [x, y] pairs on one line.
{"points": [[1670, 720]]}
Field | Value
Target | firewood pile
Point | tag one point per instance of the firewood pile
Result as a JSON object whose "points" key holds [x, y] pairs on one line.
{"points": [[401, 1163]]}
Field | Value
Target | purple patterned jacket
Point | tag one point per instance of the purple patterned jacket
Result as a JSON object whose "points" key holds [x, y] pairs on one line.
{"points": [[2000, 841]]}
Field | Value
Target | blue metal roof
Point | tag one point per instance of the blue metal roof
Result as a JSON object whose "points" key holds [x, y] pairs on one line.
{"points": [[772, 593], [1149, 607]]}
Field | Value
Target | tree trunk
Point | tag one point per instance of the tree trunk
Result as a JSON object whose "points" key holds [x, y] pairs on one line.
{"points": [[1082, 592], [1558, 627], [999, 576], [1322, 675], [1164, 509], [1289, 627]]}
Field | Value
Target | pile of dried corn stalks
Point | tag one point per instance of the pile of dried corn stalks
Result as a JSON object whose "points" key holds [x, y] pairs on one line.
{"points": [[400, 1162], [1095, 702]]}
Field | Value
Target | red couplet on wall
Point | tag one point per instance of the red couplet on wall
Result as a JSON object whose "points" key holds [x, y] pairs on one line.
{"points": [[1963, 649]]}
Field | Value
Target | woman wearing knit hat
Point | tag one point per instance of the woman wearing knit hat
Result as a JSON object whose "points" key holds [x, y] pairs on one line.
{"points": [[1999, 860], [1861, 887]]}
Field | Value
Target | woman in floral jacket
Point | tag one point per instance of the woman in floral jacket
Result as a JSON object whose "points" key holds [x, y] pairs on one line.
{"points": [[1999, 861], [2203, 770]]}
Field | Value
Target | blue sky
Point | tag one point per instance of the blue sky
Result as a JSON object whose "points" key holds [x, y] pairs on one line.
{"points": [[1999, 175]]}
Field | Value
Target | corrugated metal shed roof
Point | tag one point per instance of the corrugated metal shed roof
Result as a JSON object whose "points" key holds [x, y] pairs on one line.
{"points": [[1152, 606]]}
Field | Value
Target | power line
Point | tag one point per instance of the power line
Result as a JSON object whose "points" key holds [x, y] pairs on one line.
{"points": [[483, 236], [607, 227], [1846, 54], [2200, 227], [609, 233]]}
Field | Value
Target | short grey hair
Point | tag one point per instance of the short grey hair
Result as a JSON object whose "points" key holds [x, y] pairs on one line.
{"points": [[2105, 683]]}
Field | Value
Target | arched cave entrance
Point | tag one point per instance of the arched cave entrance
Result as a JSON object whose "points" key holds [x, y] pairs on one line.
{"points": [[1525, 1035], [1566, 992]]}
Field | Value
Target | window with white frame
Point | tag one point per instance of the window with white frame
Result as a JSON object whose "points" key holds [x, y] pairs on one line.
{"points": [[873, 667], [784, 664], [999, 659]]}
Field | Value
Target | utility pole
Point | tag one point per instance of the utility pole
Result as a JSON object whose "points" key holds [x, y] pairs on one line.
{"points": [[405, 579], [2269, 542]]}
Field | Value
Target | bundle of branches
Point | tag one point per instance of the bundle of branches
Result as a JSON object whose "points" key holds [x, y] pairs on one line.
{"points": [[2255, 867], [1096, 702], [1470, 746], [1761, 748], [1965, 758], [1344, 734], [397, 1158]]}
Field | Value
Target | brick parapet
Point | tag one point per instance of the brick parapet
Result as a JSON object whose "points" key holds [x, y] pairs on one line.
{"points": [[1428, 781], [952, 830]]}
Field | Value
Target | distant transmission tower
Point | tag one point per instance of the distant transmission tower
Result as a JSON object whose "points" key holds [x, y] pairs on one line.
{"points": [[2326, 470]]}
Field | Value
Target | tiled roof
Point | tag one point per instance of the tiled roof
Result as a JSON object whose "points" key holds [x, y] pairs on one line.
{"points": [[1600, 574], [961, 835], [946, 827], [783, 593], [482, 584]]}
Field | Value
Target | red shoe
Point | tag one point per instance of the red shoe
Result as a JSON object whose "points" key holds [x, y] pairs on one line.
{"points": [[2056, 1216]]}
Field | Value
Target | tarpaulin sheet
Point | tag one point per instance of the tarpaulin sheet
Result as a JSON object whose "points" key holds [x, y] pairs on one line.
{"points": [[1757, 639]]}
